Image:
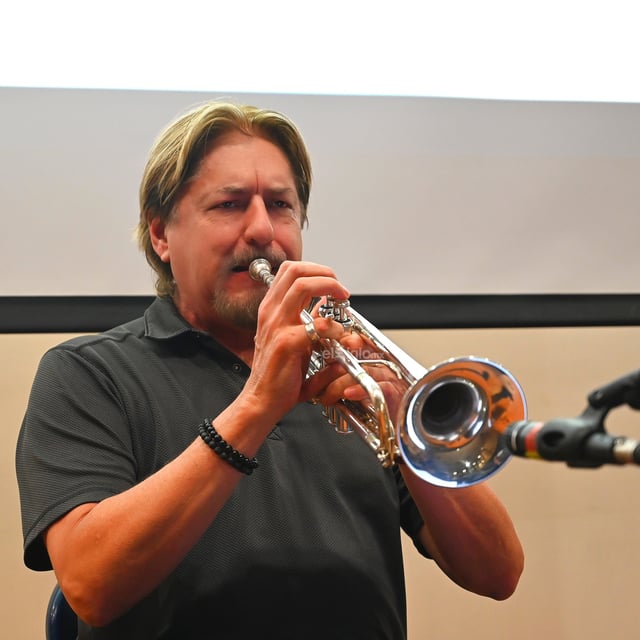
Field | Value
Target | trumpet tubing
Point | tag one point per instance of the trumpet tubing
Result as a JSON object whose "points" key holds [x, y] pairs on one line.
{"points": [[451, 417]]}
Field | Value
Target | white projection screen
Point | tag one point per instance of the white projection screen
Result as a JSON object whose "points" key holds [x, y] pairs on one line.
{"points": [[418, 189], [411, 195]]}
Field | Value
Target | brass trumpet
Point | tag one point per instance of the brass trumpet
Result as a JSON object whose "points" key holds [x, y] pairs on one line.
{"points": [[451, 416]]}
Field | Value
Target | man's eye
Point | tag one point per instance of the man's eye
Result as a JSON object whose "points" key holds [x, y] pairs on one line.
{"points": [[281, 204], [227, 204]]}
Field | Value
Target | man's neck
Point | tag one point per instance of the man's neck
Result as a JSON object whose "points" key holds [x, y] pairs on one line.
{"points": [[239, 341]]}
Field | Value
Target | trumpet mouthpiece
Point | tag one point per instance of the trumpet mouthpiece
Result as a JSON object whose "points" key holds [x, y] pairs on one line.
{"points": [[260, 270]]}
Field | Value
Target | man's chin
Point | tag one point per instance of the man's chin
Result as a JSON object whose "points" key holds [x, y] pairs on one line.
{"points": [[239, 313]]}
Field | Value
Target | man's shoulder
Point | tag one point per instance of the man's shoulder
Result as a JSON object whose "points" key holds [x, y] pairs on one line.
{"points": [[132, 329], [120, 343], [159, 312], [160, 324]]}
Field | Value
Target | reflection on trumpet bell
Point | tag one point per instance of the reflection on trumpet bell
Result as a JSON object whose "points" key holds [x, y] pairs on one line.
{"points": [[453, 419]]}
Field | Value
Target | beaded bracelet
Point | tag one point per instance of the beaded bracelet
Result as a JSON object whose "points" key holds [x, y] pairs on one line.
{"points": [[222, 448]]}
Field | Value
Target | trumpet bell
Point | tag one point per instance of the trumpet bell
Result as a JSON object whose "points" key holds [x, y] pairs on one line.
{"points": [[453, 419]]}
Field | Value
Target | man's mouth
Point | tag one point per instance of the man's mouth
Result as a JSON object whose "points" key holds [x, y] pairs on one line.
{"points": [[244, 267]]}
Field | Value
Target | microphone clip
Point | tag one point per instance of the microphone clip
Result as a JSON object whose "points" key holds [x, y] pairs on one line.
{"points": [[582, 441]]}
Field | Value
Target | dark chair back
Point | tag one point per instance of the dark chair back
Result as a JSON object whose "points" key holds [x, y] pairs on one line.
{"points": [[61, 622]]}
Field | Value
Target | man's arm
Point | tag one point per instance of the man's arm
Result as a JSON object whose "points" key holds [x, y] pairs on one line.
{"points": [[109, 555], [469, 533]]}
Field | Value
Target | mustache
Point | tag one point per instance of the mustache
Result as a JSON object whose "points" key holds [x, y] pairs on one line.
{"points": [[241, 261]]}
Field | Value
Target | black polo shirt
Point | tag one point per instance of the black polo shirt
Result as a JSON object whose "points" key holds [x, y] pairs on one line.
{"points": [[306, 547]]}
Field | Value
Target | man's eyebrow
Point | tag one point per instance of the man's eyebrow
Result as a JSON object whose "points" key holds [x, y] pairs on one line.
{"points": [[280, 190], [237, 190], [232, 189]]}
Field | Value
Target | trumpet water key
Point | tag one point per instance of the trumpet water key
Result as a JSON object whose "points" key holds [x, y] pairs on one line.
{"points": [[451, 418]]}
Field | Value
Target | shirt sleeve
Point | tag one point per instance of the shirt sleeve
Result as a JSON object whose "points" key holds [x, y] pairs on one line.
{"points": [[74, 445], [410, 518]]}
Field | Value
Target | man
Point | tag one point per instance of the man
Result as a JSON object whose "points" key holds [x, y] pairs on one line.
{"points": [[137, 456]]}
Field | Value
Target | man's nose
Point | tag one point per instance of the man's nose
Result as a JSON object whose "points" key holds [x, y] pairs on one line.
{"points": [[259, 226]]}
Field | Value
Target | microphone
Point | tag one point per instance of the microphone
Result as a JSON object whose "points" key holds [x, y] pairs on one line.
{"points": [[580, 442]]}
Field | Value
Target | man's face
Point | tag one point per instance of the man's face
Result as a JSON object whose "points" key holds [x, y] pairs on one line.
{"points": [[241, 204]]}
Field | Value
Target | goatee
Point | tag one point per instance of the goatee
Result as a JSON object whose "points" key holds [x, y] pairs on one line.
{"points": [[241, 313]]}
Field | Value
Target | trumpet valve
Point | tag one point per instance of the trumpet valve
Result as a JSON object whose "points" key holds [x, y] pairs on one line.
{"points": [[342, 426], [337, 310], [337, 420]]}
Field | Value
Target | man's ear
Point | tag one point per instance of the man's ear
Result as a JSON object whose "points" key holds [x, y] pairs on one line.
{"points": [[158, 236]]}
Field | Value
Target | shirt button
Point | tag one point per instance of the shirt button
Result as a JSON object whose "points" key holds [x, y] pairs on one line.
{"points": [[236, 367]]}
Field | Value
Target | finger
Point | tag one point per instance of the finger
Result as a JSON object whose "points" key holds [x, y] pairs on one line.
{"points": [[316, 385], [329, 329], [361, 348], [335, 390], [297, 283], [354, 392], [332, 384], [290, 270]]}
